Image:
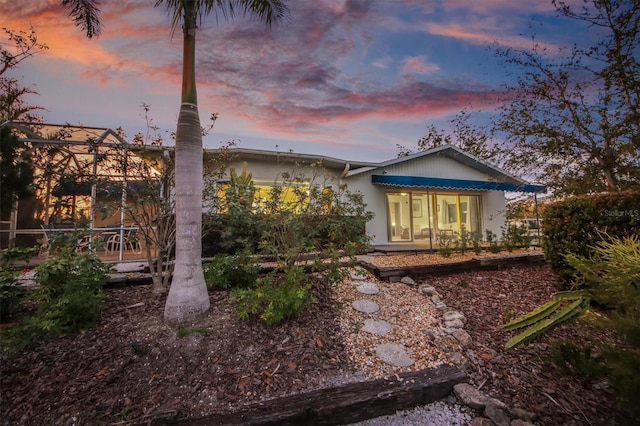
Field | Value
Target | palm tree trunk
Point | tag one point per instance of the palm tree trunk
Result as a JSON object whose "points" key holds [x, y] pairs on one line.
{"points": [[188, 299]]}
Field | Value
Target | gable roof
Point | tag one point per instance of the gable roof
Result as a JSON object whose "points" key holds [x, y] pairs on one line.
{"points": [[499, 179], [454, 153]]}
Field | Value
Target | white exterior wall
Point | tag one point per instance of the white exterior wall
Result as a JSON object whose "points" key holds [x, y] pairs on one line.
{"points": [[493, 202], [434, 166], [266, 171], [494, 207]]}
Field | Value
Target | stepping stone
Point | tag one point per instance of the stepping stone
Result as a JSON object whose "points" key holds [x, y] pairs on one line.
{"points": [[379, 328], [395, 355], [366, 306], [368, 288], [358, 275]]}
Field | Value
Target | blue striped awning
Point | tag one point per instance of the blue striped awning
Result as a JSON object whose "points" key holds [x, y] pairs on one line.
{"points": [[441, 183]]}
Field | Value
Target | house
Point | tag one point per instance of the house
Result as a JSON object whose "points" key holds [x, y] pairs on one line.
{"points": [[419, 201]]}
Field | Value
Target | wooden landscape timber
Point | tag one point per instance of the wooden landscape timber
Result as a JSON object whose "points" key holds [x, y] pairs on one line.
{"points": [[417, 272], [344, 404]]}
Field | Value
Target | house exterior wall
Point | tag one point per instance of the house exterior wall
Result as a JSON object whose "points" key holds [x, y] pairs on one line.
{"points": [[268, 170], [492, 202], [494, 208], [435, 166]]}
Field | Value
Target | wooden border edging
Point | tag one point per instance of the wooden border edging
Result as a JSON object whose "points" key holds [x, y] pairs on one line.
{"points": [[349, 403], [394, 273]]}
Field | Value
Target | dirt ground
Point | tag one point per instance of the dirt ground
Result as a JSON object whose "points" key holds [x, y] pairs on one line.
{"points": [[132, 368]]}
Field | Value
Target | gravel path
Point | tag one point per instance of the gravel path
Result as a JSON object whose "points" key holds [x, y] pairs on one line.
{"points": [[445, 412]]}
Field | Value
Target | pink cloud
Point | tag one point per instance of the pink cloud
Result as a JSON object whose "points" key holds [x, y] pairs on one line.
{"points": [[418, 65]]}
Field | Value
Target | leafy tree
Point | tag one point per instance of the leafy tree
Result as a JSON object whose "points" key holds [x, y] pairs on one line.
{"points": [[23, 46], [472, 139], [188, 299], [16, 171], [573, 119]]}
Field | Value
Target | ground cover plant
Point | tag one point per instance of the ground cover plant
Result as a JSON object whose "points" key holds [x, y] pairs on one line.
{"points": [[69, 298]]}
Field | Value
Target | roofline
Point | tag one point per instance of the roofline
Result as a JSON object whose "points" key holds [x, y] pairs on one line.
{"points": [[452, 152], [290, 155], [32, 136], [351, 168]]}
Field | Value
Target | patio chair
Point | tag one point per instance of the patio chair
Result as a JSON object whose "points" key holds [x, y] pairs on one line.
{"points": [[130, 242], [45, 245]]}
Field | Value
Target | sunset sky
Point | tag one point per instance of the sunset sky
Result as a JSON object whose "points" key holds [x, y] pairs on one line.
{"points": [[346, 79]]}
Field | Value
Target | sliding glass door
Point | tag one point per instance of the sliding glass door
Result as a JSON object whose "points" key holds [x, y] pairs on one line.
{"points": [[431, 217]]}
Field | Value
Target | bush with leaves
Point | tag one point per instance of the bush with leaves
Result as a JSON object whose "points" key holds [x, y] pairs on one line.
{"points": [[69, 298], [476, 242], [275, 298], [302, 222], [493, 245], [610, 278], [444, 246], [514, 237], [575, 226], [236, 271], [10, 292], [462, 244]]}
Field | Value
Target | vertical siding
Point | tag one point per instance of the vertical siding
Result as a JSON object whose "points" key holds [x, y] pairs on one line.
{"points": [[438, 167]]}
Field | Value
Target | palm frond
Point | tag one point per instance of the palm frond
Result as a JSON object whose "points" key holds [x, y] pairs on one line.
{"points": [[267, 11], [86, 15]]}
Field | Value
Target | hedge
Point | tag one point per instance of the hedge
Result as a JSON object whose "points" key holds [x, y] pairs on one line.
{"points": [[576, 224]]}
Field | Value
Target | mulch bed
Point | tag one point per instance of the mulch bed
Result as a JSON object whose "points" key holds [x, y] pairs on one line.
{"points": [[525, 377], [132, 368]]}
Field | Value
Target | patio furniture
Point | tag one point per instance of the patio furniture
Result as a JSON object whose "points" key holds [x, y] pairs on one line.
{"points": [[130, 242], [45, 245]]}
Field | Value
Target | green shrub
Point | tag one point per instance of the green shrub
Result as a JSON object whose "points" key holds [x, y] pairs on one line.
{"points": [[69, 298], [462, 244], [10, 292], [476, 242], [492, 242], [301, 218], [225, 272], [612, 277], [275, 298], [617, 366], [578, 362], [514, 237], [299, 215], [622, 373], [444, 246], [575, 226]]}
